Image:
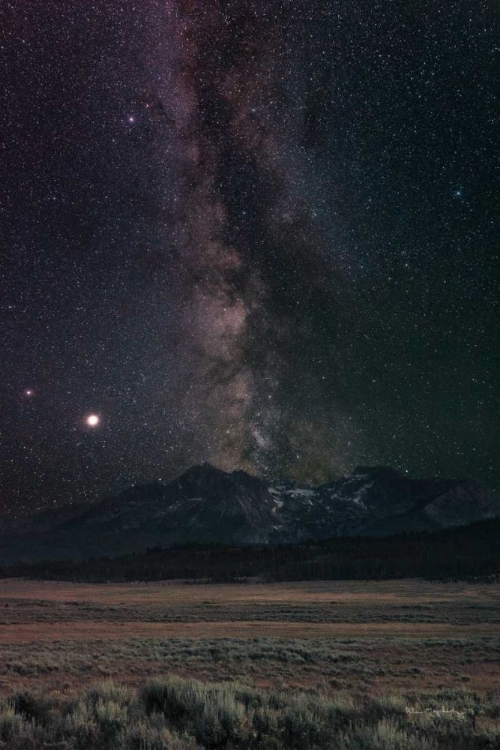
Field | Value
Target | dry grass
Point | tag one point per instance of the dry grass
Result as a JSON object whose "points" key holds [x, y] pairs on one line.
{"points": [[401, 591], [63, 631], [333, 602], [363, 638]]}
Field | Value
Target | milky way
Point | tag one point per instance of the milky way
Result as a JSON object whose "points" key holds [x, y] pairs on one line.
{"points": [[255, 234], [251, 261]]}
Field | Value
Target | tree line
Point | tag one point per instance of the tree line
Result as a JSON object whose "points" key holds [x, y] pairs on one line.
{"points": [[467, 552]]}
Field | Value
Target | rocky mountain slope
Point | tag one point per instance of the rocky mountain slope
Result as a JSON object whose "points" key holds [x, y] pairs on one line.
{"points": [[209, 505]]}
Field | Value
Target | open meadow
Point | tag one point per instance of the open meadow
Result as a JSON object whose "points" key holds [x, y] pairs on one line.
{"points": [[427, 652]]}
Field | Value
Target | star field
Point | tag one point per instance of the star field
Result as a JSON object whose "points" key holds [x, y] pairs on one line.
{"points": [[262, 235]]}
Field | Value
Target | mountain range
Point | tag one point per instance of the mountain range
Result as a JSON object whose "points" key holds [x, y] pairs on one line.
{"points": [[208, 505]]}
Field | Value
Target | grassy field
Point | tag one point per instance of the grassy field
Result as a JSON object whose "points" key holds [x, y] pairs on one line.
{"points": [[409, 645]]}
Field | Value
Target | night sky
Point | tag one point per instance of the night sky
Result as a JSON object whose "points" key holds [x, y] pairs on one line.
{"points": [[256, 233]]}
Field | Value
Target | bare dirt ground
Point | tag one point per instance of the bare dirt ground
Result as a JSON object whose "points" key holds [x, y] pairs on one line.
{"points": [[364, 637]]}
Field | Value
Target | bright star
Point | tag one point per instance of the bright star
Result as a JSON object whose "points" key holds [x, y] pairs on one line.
{"points": [[92, 420]]}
